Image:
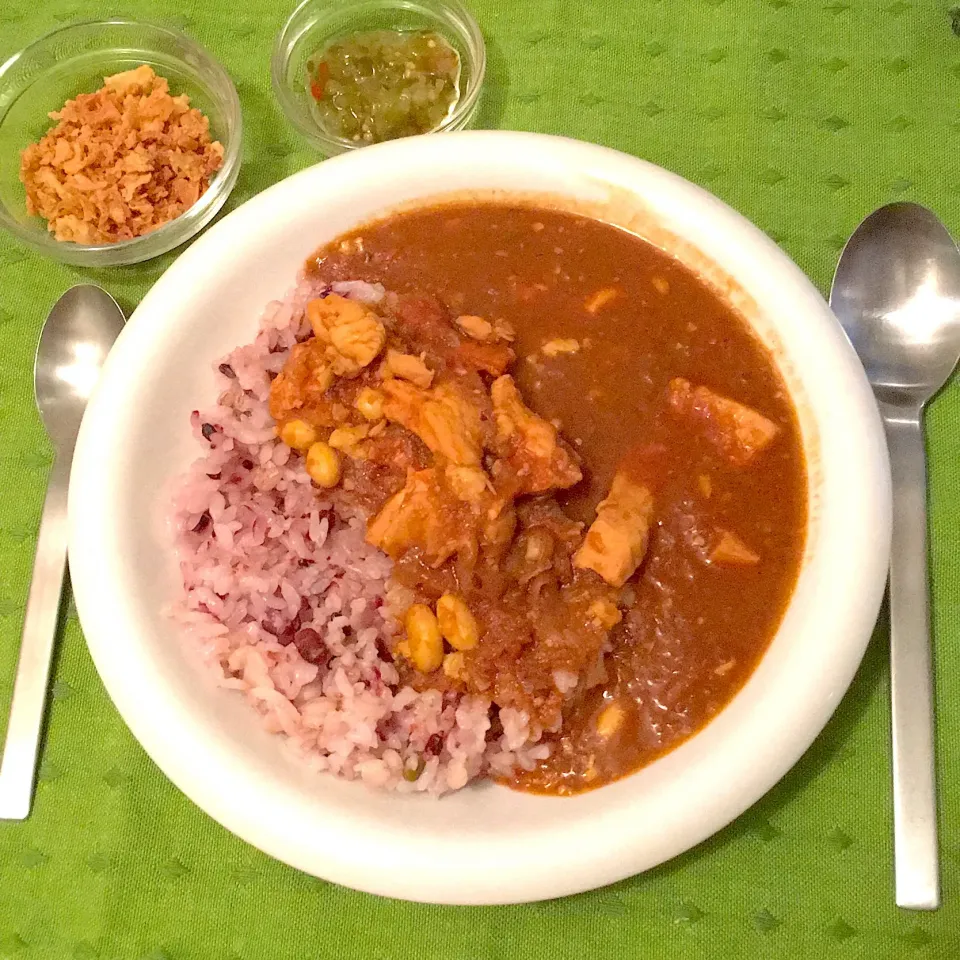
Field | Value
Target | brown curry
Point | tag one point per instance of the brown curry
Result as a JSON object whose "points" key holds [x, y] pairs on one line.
{"points": [[585, 466]]}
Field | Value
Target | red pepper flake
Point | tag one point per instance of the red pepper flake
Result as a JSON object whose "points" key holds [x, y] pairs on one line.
{"points": [[320, 81]]}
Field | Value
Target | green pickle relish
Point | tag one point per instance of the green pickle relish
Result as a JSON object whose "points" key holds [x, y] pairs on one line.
{"points": [[384, 84]]}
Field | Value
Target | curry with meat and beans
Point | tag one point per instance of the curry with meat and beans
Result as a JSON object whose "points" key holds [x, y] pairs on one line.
{"points": [[585, 466]]}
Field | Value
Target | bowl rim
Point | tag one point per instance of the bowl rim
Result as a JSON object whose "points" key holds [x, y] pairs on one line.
{"points": [[757, 748], [174, 232], [289, 34]]}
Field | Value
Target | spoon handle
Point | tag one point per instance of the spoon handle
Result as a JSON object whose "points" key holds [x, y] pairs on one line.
{"points": [[36, 650], [911, 681]]}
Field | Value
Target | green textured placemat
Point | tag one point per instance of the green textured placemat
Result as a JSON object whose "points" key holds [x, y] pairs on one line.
{"points": [[804, 115]]}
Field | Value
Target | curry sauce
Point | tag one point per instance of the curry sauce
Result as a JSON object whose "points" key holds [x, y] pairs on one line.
{"points": [[645, 559]]}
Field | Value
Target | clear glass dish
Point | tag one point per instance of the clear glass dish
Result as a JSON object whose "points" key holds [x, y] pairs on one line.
{"points": [[74, 59], [315, 23]]}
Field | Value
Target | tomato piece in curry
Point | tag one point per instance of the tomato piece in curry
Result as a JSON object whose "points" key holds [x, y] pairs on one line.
{"points": [[577, 453]]}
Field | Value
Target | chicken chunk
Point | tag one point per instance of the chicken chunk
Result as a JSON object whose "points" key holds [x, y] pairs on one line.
{"points": [[484, 330], [562, 345], [301, 386], [352, 333], [528, 445], [403, 403], [617, 539], [736, 431], [443, 418], [475, 327], [469, 484], [427, 515], [408, 367], [597, 301], [731, 550], [414, 517]]}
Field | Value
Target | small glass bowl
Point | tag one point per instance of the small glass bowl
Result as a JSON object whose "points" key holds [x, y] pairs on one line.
{"points": [[74, 59], [315, 23]]}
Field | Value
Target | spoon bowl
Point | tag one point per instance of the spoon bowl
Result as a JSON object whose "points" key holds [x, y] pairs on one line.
{"points": [[897, 293], [74, 342]]}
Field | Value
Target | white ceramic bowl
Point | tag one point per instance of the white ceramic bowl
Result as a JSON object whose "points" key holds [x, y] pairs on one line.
{"points": [[486, 844]]}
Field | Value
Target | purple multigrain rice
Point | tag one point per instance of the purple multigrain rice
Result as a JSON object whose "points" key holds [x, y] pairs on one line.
{"points": [[287, 602]]}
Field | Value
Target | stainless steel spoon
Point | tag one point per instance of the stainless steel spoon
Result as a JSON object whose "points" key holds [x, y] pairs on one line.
{"points": [[75, 341], [897, 294]]}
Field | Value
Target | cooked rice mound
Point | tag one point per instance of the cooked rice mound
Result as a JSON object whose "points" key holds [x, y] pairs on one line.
{"points": [[288, 604], [120, 162]]}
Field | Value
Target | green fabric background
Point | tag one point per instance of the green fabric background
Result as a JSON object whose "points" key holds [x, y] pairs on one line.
{"points": [[802, 114]]}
